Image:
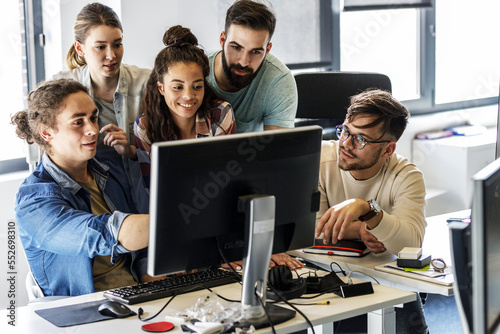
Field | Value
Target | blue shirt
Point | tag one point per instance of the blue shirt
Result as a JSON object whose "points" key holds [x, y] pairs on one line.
{"points": [[126, 103], [270, 99], [59, 233]]}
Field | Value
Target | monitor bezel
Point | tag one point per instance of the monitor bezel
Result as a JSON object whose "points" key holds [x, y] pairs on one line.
{"points": [[479, 246], [314, 131]]}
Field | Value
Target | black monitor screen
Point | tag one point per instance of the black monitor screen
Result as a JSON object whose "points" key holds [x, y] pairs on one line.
{"points": [[486, 249], [196, 185]]}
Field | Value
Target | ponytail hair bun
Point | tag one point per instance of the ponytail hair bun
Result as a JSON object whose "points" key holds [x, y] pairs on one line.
{"points": [[179, 36]]}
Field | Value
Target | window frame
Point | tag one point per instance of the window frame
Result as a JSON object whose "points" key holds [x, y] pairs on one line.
{"points": [[426, 103], [33, 65], [330, 12], [326, 40]]}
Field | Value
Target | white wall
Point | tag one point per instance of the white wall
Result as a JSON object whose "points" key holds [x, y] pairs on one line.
{"points": [[486, 116], [9, 183], [440, 196], [144, 23]]}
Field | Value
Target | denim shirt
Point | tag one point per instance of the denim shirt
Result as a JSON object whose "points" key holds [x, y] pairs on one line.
{"points": [[126, 103], [59, 233]]}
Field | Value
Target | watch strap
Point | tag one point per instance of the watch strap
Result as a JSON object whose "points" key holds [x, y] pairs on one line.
{"points": [[368, 216], [372, 213]]}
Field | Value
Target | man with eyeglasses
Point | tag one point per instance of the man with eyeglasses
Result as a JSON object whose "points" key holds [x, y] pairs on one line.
{"points": [[369, 192]]}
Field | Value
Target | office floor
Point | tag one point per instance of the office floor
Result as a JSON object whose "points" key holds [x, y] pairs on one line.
{"points": [[442, 315]]}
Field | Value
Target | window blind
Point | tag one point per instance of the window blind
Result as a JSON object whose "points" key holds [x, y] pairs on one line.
{"points": [[355, 5]]}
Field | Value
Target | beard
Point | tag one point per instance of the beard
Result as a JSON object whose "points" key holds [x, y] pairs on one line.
{"points": [[235, 80], [359, 164]]}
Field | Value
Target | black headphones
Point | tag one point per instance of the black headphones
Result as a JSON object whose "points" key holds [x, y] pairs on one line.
{"points": [[280, 278]]}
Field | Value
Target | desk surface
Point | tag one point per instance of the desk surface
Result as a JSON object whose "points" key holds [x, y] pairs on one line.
{"points": [[436, 243], [27, 321]]}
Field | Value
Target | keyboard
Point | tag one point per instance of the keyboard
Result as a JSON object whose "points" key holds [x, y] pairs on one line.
{"points": [[171, 285]]}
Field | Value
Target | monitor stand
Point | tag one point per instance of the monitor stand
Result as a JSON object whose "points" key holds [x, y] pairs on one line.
{"points": [[259, 235]]}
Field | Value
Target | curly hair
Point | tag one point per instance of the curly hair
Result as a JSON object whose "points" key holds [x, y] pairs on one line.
{"points": [[180, 46], [44, 104]]}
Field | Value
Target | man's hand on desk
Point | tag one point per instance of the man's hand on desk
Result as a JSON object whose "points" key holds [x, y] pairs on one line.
{"points": [[285, 259], [237, 265], [371, 241], [341, 221], [276, 260], [146, 278]]}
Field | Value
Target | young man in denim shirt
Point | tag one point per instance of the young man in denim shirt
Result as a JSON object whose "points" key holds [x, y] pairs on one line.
{"points": [[74, 217]]}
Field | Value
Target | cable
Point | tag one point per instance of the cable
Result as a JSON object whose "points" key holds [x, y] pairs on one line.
{"points": [[316, 295], [308, 273], [265, 311], [227, 262], [258, 298], [307, 304], [338, 265], [349, 280], [141, 311], [295, 308]]}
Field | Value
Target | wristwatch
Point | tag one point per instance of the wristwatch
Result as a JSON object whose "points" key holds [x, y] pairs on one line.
{"points": [[374, 210], [438, 264]]}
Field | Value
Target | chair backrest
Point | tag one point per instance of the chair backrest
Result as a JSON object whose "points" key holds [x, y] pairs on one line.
{"points": [[323, 97], [33, 156], [32, 287]]}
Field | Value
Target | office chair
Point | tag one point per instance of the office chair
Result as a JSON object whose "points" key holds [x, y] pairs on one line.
{"points": [[34, 291], [323, 97], [33, 156], [32, 287]]}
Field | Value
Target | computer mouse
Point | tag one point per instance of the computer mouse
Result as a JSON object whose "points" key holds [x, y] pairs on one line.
{"points": [[114, 309]]}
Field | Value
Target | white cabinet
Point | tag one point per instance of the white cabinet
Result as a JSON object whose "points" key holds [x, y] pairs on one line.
{"points": [[448, 165]]}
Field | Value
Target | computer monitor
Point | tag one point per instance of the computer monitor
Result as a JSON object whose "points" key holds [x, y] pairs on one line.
{"points": [[485, 220], [199, 201], [461, 251], [479, 245]]}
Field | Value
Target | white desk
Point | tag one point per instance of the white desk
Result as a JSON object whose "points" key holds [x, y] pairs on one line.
{"points": [[380, 304], [436, 243]]}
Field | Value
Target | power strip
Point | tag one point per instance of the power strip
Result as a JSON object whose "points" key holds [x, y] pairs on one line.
{"points": [[353, 290]]}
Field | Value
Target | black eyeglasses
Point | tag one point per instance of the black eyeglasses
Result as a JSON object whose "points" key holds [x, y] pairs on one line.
{"points": [[359, 142]]}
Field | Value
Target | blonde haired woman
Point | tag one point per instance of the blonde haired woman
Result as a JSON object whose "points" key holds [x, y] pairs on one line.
{"points": [[95, 60]]}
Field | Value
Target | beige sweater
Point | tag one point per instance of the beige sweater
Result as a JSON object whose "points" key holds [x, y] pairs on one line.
{"points": [[398, 187]]}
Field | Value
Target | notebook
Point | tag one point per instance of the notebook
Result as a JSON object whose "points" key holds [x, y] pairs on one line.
{"points": [[354, 248]]}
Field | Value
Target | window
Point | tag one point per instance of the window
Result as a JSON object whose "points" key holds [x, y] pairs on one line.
{"points": [[439, 57], [467, 50], [13, 84], [384, 41], [18, 21], [302, 38], [21, 67], [303, 33]]}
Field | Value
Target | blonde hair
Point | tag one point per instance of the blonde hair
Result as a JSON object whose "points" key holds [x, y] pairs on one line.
{"points": [[91, 16]]}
